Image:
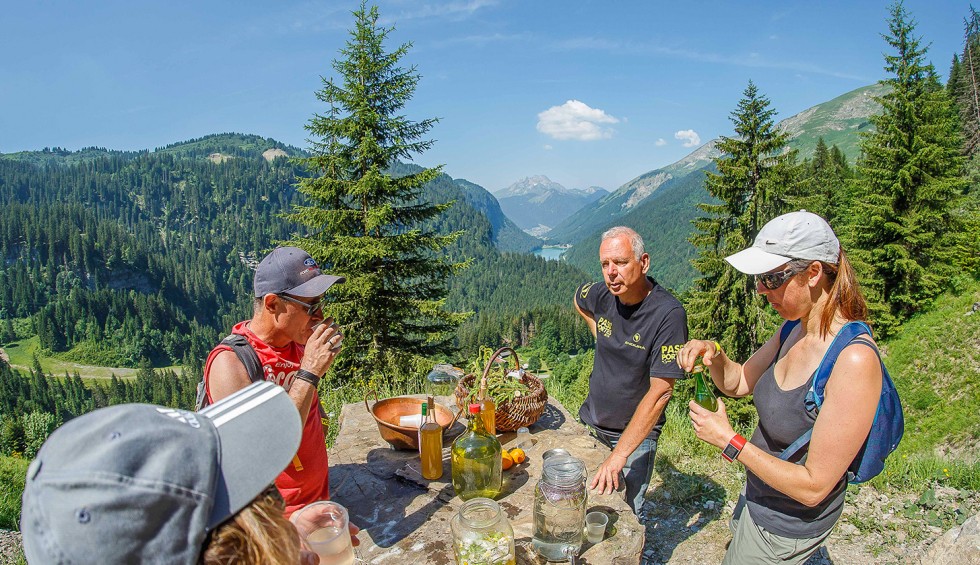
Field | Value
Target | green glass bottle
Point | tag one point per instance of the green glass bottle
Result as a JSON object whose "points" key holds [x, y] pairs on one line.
{"points": [[702, 391], [476, 461]]}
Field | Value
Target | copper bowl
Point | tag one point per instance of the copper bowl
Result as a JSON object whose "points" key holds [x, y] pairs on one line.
{"points": [[388, 411]]}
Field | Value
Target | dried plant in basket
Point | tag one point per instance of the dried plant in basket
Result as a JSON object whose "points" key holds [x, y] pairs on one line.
{"points": [[520, 401]]}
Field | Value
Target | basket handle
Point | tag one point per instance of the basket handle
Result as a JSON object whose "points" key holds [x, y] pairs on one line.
{"points": [[455, 418], [486, 370]]}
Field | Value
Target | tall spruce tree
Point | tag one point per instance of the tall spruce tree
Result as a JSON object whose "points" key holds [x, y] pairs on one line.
{"points": [[753, 173], [964, 84], [367, 224], [823, 186], [907, 224]]}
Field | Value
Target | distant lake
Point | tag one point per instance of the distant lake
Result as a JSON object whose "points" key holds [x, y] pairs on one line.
{"points": [[550, 253]]}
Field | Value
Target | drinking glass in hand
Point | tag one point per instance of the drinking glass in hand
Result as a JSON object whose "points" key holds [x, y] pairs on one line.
{"points": [[325, 526]]}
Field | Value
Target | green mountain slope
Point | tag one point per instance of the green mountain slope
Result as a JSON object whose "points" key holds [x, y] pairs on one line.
{"points": [[665, 224], [935, 362], [838, 121], [112, 257], [649, 203]]}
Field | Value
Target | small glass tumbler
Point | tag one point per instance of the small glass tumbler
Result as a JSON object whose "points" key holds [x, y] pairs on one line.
{"points": [[325, 527], [595, 526]]}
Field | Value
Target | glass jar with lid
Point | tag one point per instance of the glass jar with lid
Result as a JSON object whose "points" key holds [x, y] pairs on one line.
{"points": [[560, 499], [482, 535]]}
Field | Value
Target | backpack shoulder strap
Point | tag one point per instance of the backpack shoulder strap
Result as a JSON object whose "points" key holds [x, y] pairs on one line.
{"points": [[246, 354], [784, 331], [847, 335], [248, 357]]}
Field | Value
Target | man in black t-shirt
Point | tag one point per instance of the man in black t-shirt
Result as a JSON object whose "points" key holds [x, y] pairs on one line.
{"points": [[639, 326]]}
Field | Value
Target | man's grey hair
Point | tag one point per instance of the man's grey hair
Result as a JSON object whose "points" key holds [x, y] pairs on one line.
{"points": [[636, 242]]}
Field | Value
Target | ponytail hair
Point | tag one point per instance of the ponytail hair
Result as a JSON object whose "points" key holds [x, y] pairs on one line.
{"points": [[846, 298]]}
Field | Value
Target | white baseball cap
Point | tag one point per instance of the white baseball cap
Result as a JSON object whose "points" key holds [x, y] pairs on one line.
{"points": [[797, 235]]}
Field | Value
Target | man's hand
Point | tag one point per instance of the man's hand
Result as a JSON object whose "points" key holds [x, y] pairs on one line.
{"points": [[608, 474], [322, 347]]}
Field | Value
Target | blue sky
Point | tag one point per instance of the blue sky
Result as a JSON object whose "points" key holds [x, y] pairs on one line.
{"points": [[585, 92]]}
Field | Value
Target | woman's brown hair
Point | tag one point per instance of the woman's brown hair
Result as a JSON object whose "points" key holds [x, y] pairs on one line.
{"points": [[845, 294], [258, 534]]}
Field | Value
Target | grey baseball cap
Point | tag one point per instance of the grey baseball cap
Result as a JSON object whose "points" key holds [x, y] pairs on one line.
{"points": [[137, 483], [293, 271], [797, 235]]}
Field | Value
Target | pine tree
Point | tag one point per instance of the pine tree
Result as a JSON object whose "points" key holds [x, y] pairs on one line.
{"points": [[366, 223], [823, 188], [964, 84], [908, 228], [753, 173]]}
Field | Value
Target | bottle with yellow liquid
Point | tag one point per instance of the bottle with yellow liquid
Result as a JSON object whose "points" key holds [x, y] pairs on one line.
{"points": [[488, 411], [430, 443], [476, 460]]}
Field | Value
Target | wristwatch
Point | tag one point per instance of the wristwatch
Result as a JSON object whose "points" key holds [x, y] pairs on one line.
{"points": [[734, 447]]}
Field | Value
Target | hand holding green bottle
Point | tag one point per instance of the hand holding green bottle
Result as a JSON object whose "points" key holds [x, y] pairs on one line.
{"points": [[703, 393]]}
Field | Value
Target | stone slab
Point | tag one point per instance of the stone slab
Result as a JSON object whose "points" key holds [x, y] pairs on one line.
{"points": [[405, 518]]}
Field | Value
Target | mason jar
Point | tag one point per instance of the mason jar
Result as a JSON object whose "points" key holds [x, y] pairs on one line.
{"points": [[482, 535], [560, 500]]}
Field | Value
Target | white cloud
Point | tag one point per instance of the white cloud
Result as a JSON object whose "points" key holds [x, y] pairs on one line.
{"points": [[660, 142], [547, 147], [689, 136], [576, 120], [452, 10]]}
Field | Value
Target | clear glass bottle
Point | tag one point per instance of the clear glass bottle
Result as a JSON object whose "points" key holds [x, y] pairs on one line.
{"points": [[560, 499], [703, 394], [476, 460], [430, 443], [482, 535]]}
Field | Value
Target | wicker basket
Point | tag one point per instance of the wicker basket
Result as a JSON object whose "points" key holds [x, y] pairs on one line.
{"points": [[516, 413]]}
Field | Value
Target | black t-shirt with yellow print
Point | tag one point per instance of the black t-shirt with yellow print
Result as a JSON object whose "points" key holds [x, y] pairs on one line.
{"points": [[633, 343]]}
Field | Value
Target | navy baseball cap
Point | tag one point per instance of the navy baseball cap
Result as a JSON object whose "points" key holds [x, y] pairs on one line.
{"points": [[292, 271], [138, 483]]}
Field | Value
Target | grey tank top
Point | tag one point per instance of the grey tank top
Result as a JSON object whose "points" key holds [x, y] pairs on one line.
{"points": [[783, 419]]}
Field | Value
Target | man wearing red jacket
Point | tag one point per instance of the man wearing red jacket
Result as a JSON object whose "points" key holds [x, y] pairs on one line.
{"points": [[295, 351]]}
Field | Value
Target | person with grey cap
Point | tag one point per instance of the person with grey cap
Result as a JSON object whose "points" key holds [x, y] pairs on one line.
{"points": [[295, 346], [137, 483], [789, 506]]}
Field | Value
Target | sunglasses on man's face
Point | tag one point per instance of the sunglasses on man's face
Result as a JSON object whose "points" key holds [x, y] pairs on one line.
{"points": [[772, 281], [311, 309]]}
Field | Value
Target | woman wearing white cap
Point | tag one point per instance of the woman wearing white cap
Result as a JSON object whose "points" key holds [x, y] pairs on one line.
{"points": [[790, 506]]}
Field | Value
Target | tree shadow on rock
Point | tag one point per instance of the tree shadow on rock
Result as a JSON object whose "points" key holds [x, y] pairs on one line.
{"points": [[678, 508], [378, 499], [551, 419]]}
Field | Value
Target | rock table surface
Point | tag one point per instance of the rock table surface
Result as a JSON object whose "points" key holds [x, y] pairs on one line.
{"points": [[405, 518]]}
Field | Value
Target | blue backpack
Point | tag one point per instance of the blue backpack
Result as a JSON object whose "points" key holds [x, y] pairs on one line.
{"points": [[889, 423]]}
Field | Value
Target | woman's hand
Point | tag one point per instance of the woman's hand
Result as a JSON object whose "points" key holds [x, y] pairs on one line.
{"points": [[711, 427], [693, 349]]}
